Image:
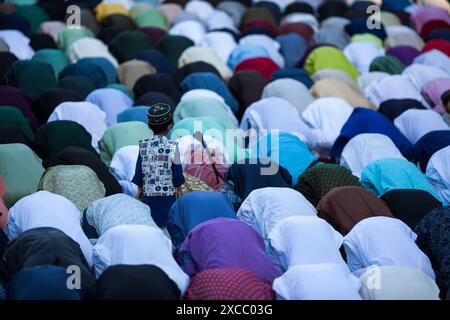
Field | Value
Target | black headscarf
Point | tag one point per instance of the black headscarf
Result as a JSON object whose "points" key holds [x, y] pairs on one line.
{"points": [[332, 9], [106, 35], [244, 178], [54, 136], [80, 156], [194, 67], [15, 22], [156, 82], [6, 60], [135, 282], [395, 107], [301, 7], [410, 205], [118, 21], [153, 97], [80, 84], [44, 246], [11, 134], [40, 41], [50, 99]]}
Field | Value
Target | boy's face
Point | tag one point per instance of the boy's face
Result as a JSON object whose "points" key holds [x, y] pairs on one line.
{"points": [[447, 107]]}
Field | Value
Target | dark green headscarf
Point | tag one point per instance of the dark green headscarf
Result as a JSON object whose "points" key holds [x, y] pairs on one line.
{"points": [[13, 116], [34, 14], [54, 136], [126, 44], [32, 77], [80, 84], [388, 64], [173, 46], [317, 181], [54, 57]]}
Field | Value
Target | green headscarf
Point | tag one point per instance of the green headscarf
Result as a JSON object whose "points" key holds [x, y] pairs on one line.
{"points": [[173, 46], [56, 135], [203, 107], [120, 135], [138, 8], [327, 57], [258, 13], [68, 36], [126, 44], [151, 18], [15, 117], [388, 64], [21, 2], [80, 184], [34, 14], [32, 77], [21, 170], [53, 57]]}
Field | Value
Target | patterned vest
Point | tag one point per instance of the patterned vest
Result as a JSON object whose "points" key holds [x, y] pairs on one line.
{"points": [[157, 155]]}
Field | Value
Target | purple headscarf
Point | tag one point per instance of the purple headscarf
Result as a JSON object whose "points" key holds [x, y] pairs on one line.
{"points": [[406, 54], [11, 96]]}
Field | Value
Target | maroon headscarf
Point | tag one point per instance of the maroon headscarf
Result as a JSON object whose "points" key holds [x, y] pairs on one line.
{"points": [[12, 96]]}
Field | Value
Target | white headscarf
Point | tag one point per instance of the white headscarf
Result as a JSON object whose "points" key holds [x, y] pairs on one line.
{"points": [[190, 29], [323, 281], [90, 48], [306, 240], [438, 173], [135, 245], [275, 113], [434, 58], [122, 167], [264, 208], [365, 148], [361, 54], [18, 44], [392, 87], [52, 28], [326, 117], [415, 123], [220, 20], [86, 114], [366, 79], [384, 241], [46, 209], [397, 283], [201, 9], [221, 42], [302, 17], [267, 43], [291, 90], [420, 74], [118, 209]]}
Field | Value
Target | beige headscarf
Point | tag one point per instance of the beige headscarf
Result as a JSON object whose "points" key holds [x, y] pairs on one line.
{"points": [[397, 283], [331, 87], [129, 72]]}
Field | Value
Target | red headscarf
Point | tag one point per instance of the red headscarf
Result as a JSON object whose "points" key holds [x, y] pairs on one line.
{"points": [[227, 284], [302, 29], [438, 44], [263, 65]]}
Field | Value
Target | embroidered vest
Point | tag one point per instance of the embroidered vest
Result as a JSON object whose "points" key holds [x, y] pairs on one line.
{"points": [[157, 154]]}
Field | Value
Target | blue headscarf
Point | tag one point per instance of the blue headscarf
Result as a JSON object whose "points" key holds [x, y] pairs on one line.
{"points": [[428, 145], [107, 67], [293, 73], [133, 114], [210, 81], [41, 283], [387, 174], [246, 51], [395, 5], [358, 26], [363, 120], [158, 60], [87, 69], [292, 47], [287, 150], [194, 208]]}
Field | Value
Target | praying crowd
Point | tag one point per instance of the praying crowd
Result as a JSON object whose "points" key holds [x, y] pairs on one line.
{"points": [[225, 150]]}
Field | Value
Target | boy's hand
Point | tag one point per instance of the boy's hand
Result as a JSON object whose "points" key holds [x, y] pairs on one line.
{"points": [[179, 192]]}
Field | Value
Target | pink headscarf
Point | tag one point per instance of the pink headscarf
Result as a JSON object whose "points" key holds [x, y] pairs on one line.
{"points": [[426, 14], [3, 209], [433, 90]]}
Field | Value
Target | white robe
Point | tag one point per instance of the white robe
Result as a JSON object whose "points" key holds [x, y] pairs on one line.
{"points": [[123, 166]]}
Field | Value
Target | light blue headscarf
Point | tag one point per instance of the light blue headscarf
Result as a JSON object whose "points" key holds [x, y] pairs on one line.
{"points": [[388, 174], [110, 101], [108, 68], [133, 114], [292, 47], [245, 51], [287, 150]]}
